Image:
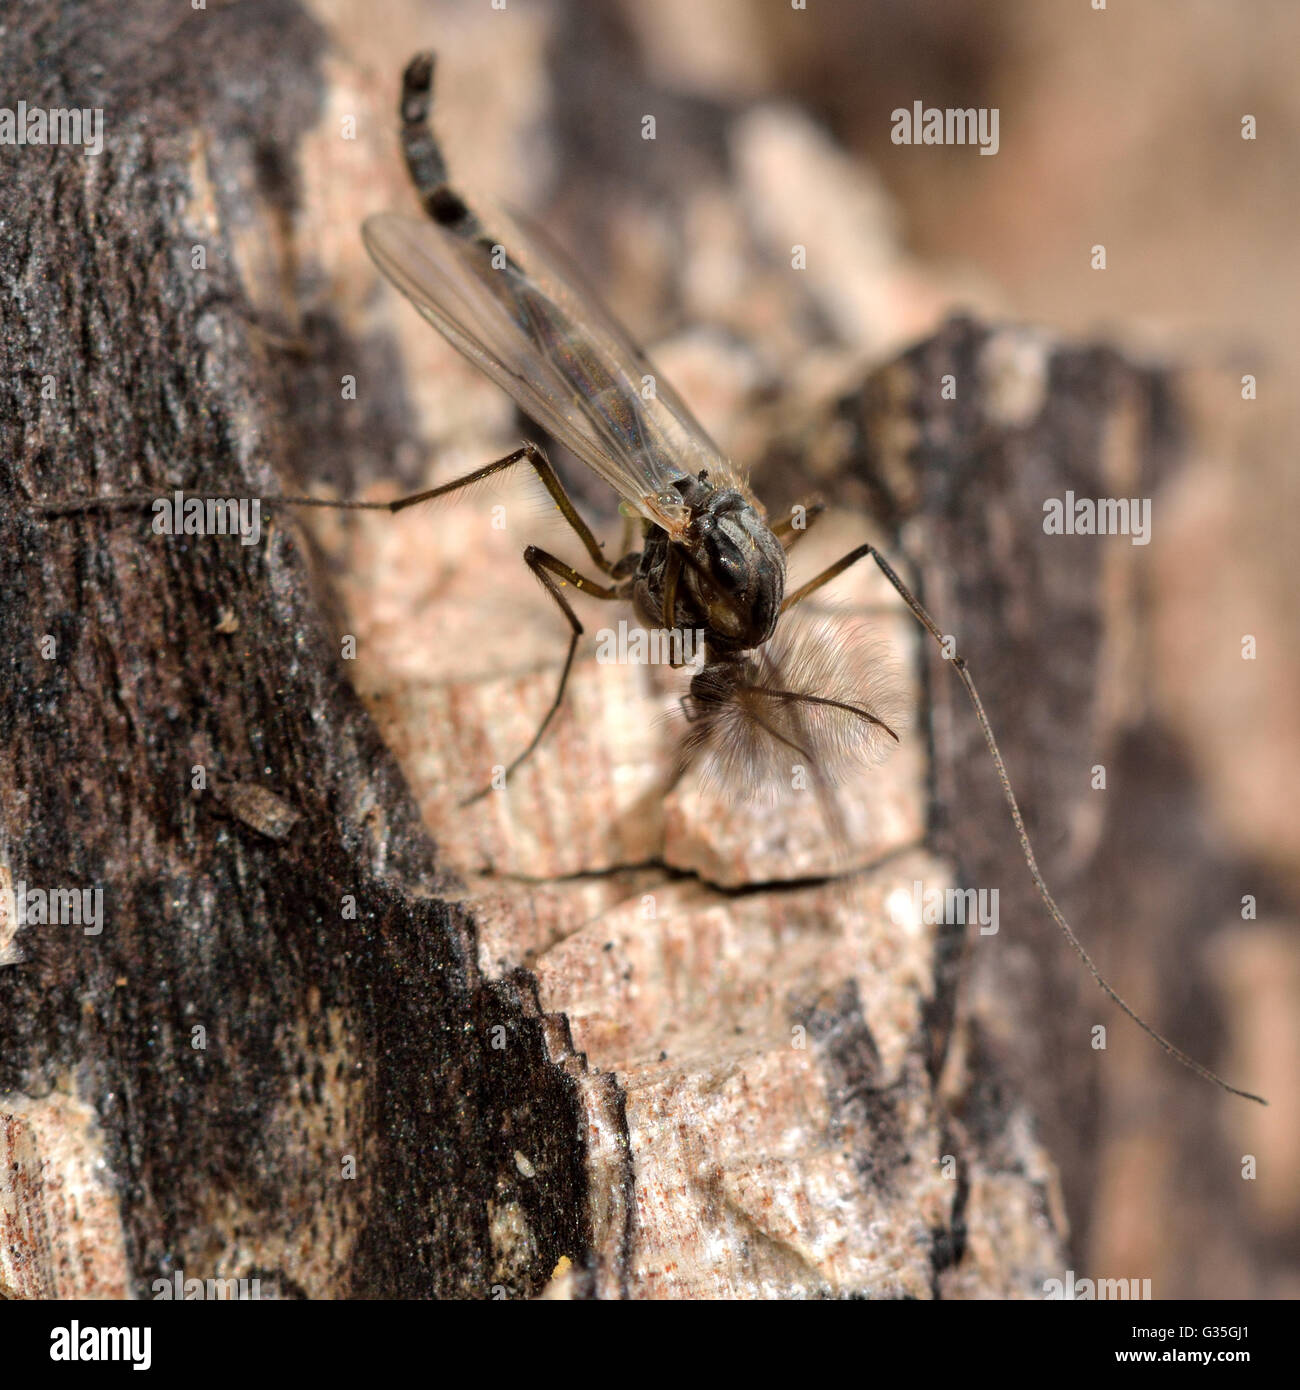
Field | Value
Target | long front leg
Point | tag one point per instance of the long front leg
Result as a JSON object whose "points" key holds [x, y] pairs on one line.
{"points": [[1027, 849], [541, 465], [529, 453]]}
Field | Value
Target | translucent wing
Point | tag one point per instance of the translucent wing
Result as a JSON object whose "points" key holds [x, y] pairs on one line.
{"points": [[555, 267], [511, 309]]}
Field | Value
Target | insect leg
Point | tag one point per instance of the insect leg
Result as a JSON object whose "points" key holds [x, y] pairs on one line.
{"points": [[787, 528], [541, 465], [631, 524], [672, 576], [529, 452], [959, 665], [544, 565]]}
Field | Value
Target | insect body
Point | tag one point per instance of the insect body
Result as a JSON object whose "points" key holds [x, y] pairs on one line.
{"points": [[726, 575], [709, 561]]}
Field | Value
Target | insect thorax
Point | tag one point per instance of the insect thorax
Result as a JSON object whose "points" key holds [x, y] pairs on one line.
{"points": [[732, 571]]}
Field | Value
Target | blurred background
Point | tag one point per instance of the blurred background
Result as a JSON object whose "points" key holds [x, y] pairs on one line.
{"points": [[1121, 127]]}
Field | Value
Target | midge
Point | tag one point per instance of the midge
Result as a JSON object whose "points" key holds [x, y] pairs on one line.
{"points": [[708, 559]]}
